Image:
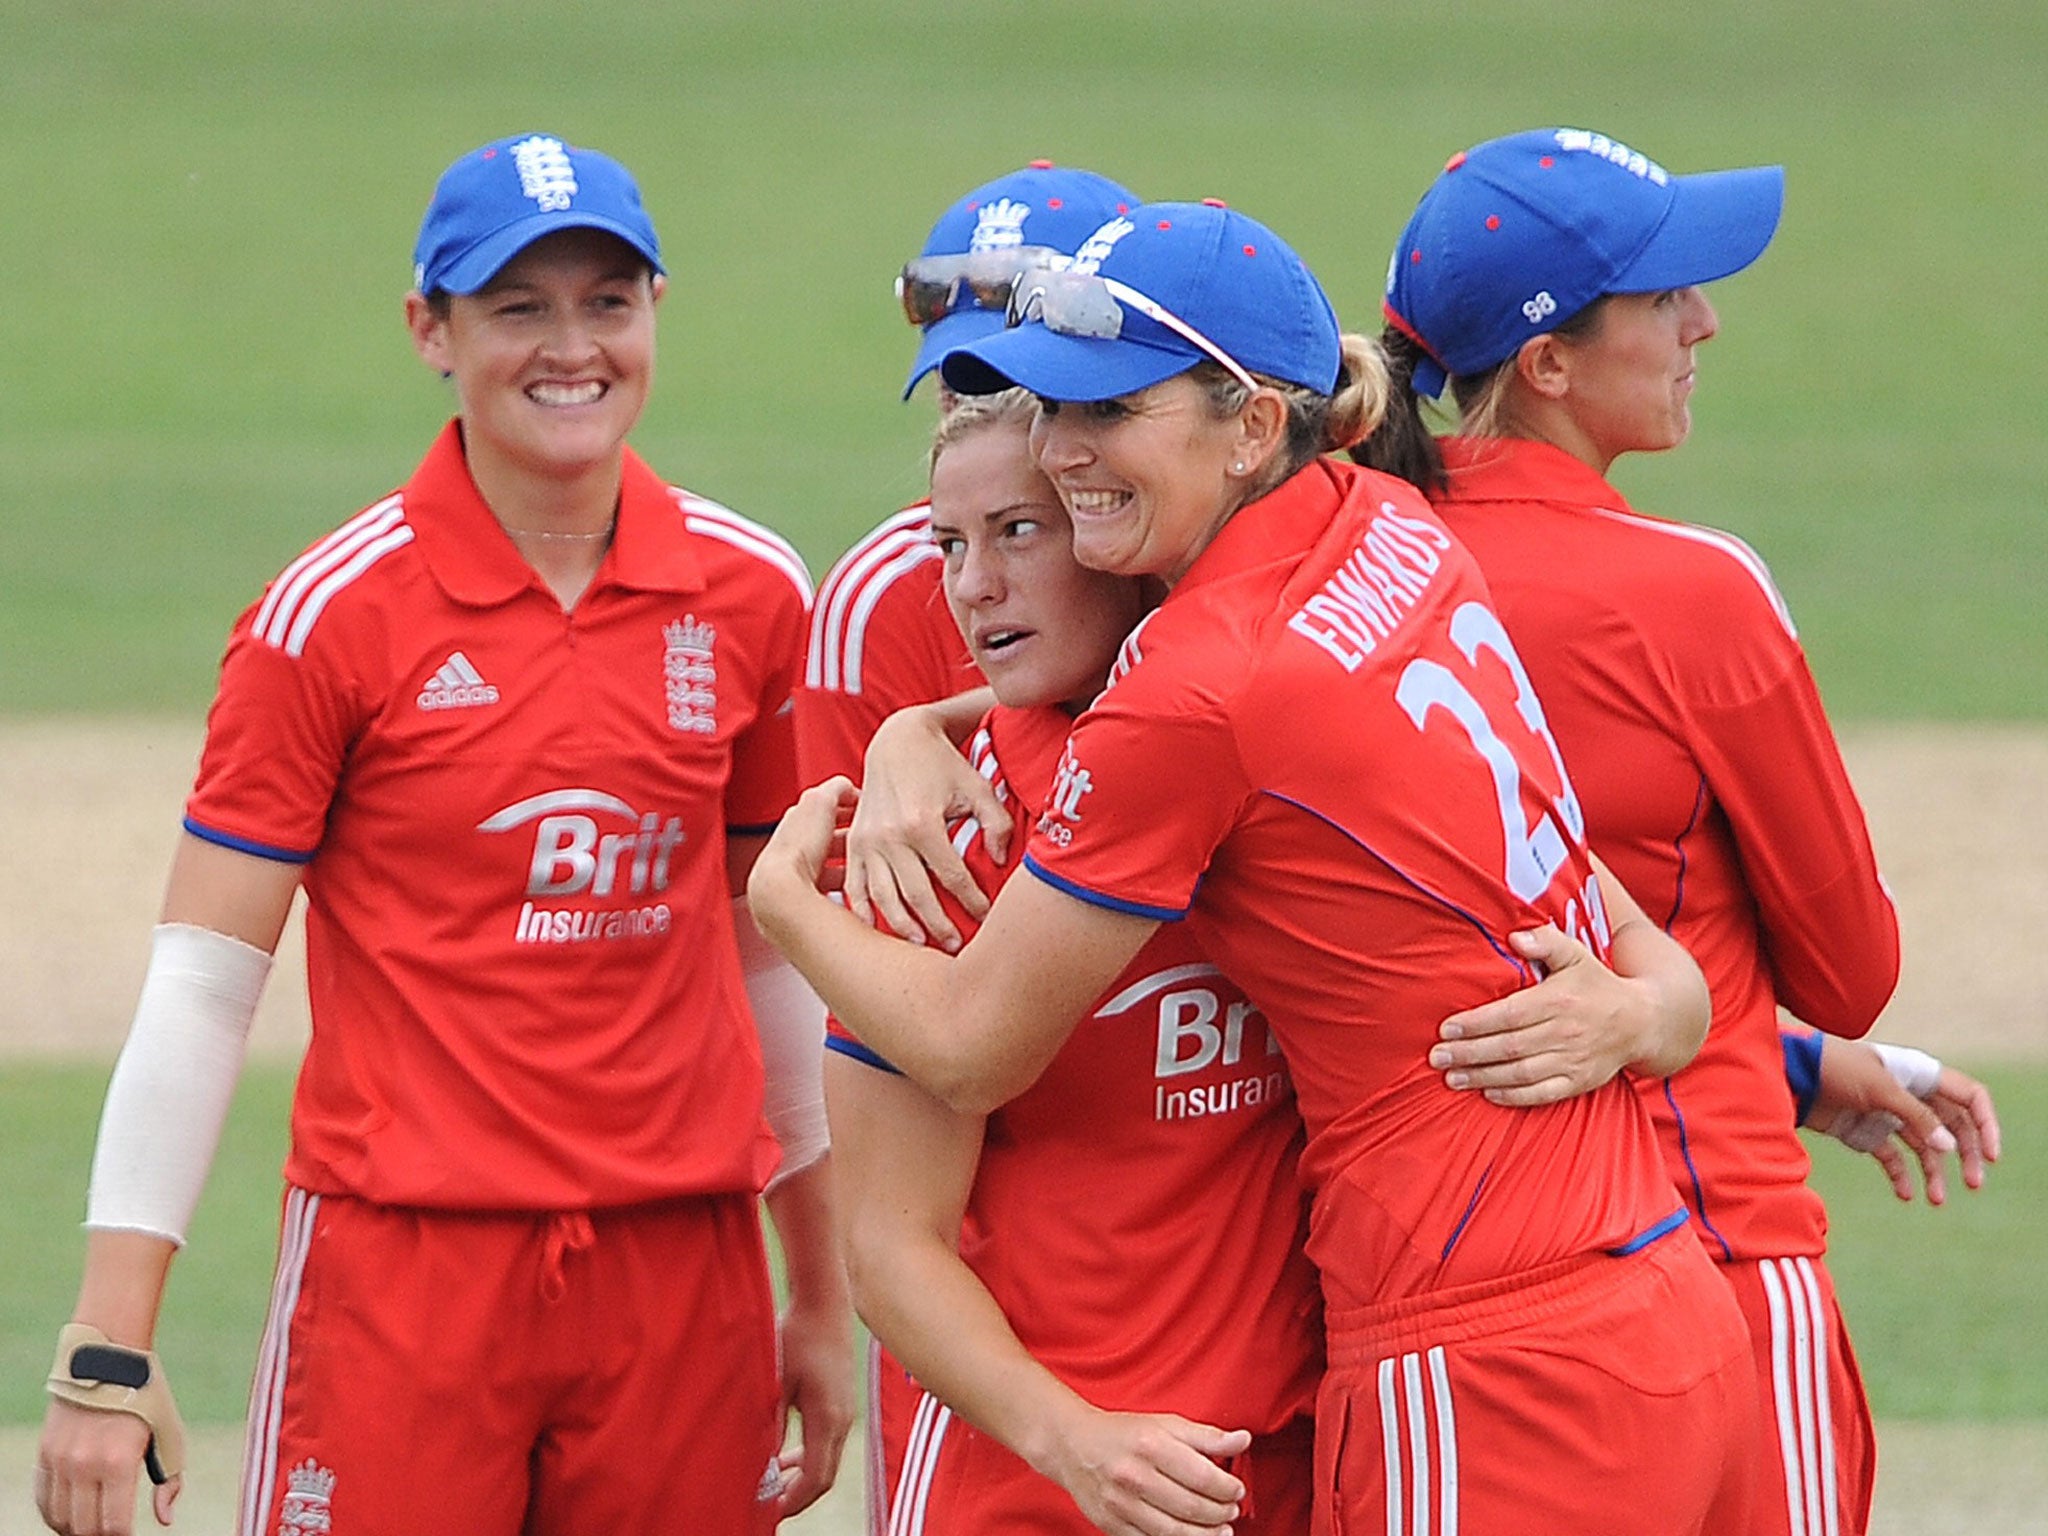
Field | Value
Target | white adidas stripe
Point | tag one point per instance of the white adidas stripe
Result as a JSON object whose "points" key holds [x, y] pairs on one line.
{"points": [[1727, 543], [757, 539], [288, 584], [309, 583], [920, 1465], [266, 1393], [1800, 1395], [316, 603], [1824, 1378], [1427, 1492], [464, 673], [854, 585]]}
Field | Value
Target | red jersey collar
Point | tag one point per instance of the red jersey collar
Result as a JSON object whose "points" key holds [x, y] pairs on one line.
{"points": [[475, 561], [1520, 469], [1277, 527]]}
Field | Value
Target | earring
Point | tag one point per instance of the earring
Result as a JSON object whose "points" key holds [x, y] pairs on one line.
{"points": [[1237, 469]]}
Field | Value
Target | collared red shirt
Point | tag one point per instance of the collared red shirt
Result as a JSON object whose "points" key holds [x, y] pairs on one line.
{"points": [[1136, 1213], [525, 993], [1673, 677], [1321, 751]]}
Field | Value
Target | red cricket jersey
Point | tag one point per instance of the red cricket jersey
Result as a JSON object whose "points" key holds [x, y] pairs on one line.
{"points": [[1323, 750], [1713, 788], [882, 639], [1136, 1213], [525, 992]]}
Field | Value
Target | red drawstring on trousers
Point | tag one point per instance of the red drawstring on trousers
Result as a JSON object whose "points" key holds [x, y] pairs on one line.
{"points": [[568, 1232]]}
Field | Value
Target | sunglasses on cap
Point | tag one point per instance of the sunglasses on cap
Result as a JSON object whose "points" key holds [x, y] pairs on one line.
{"points": [[1090, 305], [933, 287]]}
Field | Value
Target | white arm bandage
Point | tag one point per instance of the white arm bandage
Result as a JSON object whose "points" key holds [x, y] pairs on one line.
{"points": [[791, 1022], [169, 1096]]}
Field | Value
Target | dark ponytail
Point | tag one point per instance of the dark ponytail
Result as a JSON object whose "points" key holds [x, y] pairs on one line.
{"points": [[1402, 443]]}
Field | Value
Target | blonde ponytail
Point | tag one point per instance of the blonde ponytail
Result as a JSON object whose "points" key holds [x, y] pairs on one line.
{"points": [[1364, 389]]}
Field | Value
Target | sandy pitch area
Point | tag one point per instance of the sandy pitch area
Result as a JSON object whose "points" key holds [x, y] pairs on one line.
{"points": [[1959, 814]]}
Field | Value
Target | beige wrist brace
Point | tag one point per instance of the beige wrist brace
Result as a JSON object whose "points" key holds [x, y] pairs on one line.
{"points": [[93, 1372]]}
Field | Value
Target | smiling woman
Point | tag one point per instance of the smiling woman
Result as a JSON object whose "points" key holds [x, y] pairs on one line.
{"points": [[552, 359], [519, 728]]}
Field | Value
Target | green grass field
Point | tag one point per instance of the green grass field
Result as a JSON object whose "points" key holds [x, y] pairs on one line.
{"points": [[213, 201]]}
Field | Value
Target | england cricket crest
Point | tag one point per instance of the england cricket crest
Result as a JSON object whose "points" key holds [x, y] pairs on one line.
{"points": [[308, 1488], [689, 675], [1101, 243], [999, 226]]}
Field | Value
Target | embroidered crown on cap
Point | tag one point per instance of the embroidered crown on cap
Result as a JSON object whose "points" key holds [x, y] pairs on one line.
{"points": [[998, 226], [545, 174]]}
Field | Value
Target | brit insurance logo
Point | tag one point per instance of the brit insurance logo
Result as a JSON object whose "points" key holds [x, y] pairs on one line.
{"points": [[591, 847], [1070, 786], [689, 675], [1213, 1052]]}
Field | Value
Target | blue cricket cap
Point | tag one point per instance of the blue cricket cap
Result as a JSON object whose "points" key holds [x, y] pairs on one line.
{"points": [[1220, 272], [1521, 233], [1043, 204], [496, 201]]}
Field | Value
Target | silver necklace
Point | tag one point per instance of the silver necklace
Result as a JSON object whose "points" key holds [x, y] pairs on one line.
{"points": [[548, 533]]}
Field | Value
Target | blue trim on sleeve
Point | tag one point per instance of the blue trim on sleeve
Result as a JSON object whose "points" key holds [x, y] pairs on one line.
{"points": [[1802, 1069], [753, 829], [853, 1050], [220, 839], [1097, 899], [1642, 1240]]}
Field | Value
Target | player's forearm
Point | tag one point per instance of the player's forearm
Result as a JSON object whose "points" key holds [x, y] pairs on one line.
{"points": [[938, 1319], [801, 1207], [1677, 1007], [904, 1001], [123, 1286], [955, 717]]}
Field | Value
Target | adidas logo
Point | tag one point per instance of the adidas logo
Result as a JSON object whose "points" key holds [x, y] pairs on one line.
{"points": [[458, 685]]}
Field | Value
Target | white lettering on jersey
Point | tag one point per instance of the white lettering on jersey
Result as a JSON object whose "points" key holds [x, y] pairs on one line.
{"points": [[1197, 1030], [1069, 788], [1535, 851], [1368, 596], [574, 855]]}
